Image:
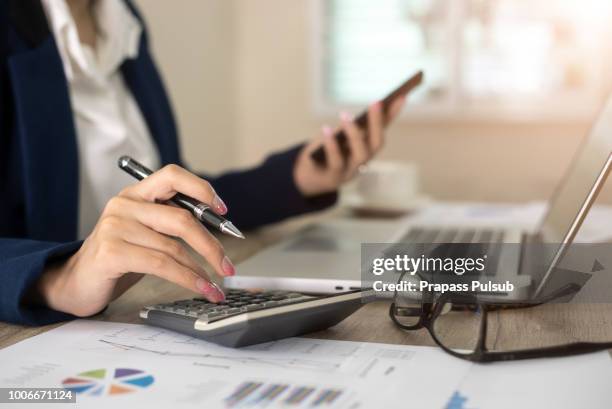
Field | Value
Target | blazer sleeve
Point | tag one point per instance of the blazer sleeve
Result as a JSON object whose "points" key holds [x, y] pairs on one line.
{"points": [[21, 264], [267, 193]]}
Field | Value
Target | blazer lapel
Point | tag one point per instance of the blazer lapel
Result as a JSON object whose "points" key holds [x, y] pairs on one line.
{"points": [[48, 142]]}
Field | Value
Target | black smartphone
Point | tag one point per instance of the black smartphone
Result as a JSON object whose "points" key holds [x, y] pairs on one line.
{"points": [[319, 157]]}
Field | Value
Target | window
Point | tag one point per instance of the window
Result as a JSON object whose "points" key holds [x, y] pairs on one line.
{"points": [[514, 59]]}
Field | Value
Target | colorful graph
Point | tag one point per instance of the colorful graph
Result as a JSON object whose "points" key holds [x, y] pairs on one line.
{"points": [[258, 394], [101, 382]]}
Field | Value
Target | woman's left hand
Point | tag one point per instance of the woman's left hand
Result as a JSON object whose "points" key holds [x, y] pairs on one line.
{"points": [[313, 179]]}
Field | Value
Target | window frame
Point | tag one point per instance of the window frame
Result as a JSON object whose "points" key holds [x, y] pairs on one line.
{"points": [[561, 110]]}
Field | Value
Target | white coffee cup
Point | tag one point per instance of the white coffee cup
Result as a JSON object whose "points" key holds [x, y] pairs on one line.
{"points": [[386, 184]]}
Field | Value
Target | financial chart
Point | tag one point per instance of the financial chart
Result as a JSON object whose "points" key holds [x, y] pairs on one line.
{"points": [[259, 395], [104, 381]]}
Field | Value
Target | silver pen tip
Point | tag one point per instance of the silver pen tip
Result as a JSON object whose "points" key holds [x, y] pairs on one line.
{"points": [[228, 227]]}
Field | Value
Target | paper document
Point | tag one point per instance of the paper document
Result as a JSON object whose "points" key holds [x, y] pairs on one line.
{"points": [[126, 365], [570, 382], [131, 366]]}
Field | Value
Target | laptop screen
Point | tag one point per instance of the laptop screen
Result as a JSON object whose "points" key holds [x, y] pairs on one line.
{"points": [[574, 189], [574, 194]]}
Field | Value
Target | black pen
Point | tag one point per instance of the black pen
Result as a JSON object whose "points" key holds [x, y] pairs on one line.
{"points": [[200, 210]]}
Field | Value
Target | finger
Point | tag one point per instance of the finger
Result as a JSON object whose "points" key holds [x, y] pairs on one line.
{"points": [[138, 234], [173, 221], [147, 261], [171, 179], [375, 127], [396, 107], [357, 144], [315, 143], [335, 163]]}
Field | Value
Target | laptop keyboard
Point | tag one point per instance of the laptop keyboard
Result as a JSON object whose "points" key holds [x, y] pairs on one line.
{"points": [[430, 235], [478, 241]]}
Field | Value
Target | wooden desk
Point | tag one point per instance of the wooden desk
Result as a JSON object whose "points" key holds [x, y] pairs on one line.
{"points": [[540, 326]]}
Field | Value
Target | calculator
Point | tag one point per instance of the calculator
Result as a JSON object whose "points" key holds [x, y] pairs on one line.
{"points": [[252, 317]]}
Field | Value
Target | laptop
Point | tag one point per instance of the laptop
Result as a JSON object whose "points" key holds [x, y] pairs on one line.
{"points": [[326, 257]]}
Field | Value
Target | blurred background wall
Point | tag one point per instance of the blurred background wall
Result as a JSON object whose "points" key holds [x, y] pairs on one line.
{"points": [[242, 76], [193, 44]]}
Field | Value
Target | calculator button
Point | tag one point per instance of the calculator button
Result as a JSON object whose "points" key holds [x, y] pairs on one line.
{"points": [[211, 315], [237, 302], [277, 297]]}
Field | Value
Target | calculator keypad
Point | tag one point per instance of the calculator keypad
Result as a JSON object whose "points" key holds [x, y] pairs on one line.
{"points": [[236, 302]]}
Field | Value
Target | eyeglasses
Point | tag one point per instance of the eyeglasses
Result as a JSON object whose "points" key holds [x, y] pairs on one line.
{"points": [[433, 312]]}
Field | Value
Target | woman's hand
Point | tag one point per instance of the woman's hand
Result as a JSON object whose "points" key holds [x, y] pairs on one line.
{"points": [[135, 235], [312, 179]]}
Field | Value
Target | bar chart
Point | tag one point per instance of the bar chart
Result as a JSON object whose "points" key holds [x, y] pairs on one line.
{"points": [[259, 394]]}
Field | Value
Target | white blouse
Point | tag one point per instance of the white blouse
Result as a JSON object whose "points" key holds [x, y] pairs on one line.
{"points": [[107, 119]]}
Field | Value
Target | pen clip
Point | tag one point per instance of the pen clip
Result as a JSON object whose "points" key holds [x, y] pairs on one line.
{"points": [[199, 210]]}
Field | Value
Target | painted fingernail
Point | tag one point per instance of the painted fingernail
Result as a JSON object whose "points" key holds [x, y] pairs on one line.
{"points": [[203, 286], [219, 291], [228, 267], [219, 205], [327, 131], [210, 290], [346, 117]]}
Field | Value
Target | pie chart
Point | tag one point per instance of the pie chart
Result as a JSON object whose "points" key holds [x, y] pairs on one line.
{"points": [[102, 382]]}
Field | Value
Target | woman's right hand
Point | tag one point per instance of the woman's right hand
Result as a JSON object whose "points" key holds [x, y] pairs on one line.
{"points": [[135, 235]]}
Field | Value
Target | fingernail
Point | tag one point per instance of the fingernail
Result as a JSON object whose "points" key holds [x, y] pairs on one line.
{"points": [[327, 131], [346, 117], [220, 294], [377, 106], [210, 290], [219, 205], [228, 267]]}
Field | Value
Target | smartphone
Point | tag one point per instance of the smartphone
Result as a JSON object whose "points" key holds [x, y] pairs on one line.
{"points": [[319, 157]]}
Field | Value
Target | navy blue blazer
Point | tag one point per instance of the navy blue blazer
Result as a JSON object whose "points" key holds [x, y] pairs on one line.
{"points": [[39, 159]]}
